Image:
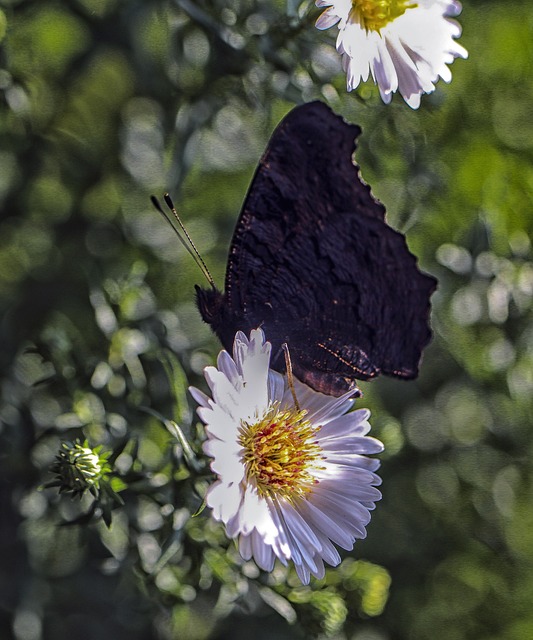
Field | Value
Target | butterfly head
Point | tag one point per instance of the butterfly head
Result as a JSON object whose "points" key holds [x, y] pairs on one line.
{"points": [[212, 307], [210, 303]]}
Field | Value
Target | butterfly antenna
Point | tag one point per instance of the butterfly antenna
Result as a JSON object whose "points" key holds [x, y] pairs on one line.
{"points": [[290, 377], [189, 245]]}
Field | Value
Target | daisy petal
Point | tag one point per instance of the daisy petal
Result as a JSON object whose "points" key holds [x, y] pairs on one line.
{"points": [[201, 398], [228, 367], [353, 423]]}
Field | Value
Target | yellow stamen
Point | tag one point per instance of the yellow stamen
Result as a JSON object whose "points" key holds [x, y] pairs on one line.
{"points": [[280, 452], [375, 14]]}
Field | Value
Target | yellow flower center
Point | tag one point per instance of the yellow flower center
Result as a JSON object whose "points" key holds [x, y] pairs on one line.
{"points": [[279, 452], [375, 14]]}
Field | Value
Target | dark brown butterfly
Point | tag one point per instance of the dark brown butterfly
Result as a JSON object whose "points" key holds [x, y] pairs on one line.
{"points": [[314, 264]]}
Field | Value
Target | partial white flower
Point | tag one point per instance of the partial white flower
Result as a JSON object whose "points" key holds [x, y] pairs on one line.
{"points": [[291, 481], [404, 44]]}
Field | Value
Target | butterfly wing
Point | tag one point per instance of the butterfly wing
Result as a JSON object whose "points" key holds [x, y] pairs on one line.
{"points": [[313, 262], [371, 313]]}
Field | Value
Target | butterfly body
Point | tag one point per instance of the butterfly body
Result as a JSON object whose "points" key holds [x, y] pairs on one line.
{"points": [[313, 263]]}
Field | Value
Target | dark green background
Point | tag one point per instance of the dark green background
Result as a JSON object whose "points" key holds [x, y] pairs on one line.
{"points": [[105, 102]]}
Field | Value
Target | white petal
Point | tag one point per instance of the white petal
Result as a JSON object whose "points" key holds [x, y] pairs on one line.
{"points": [[320, 570], [347, 477], [302, 540], [413, 100], [256, 515], [327, 19], [299, 528], [352, 521], [252, 362], [386, 97], [276, 386], [353, 423], [224, 393], [224, 499], [383, 69], [250, 351], [245, 546], [350, 509], [229, 471], [199, 396], [218, 423], [263, 554], [320, 407], [328, 553], [453, 8], [351, 445], [303, 573], [353, 42], [228, 367], [279, 540], [325, 524], [351, 460], [334, 409], [359, 493], [226, 460]]}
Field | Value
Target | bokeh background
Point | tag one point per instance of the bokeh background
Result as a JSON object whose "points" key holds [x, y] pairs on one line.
{"points": [[104, 102]]}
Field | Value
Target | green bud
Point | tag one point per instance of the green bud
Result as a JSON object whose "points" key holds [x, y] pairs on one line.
{"points": [[79, 468]]}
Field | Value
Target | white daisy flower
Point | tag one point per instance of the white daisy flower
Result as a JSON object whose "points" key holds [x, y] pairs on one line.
{"points": [[291, 481], [404, 44]]}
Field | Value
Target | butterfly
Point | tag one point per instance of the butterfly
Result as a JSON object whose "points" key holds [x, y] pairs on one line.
{"points": [[313, 262]]}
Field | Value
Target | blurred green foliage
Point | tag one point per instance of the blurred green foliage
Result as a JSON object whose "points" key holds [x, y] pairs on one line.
{"points": [[107, 101]]}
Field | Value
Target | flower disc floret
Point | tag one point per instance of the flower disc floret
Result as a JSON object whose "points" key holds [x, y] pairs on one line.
{"points": [[280, 452], [292, 478], [375, 14]]}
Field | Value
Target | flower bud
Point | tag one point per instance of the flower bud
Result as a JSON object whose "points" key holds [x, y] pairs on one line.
{"points": [[78, 468]]}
